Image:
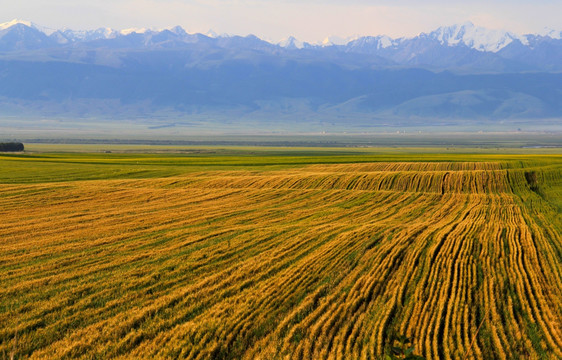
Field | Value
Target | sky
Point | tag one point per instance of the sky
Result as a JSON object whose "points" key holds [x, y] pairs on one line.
{"points": [[307, 20]]}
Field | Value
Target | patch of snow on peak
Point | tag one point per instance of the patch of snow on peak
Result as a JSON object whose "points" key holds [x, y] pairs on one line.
{"points": [[133, 30], [9, 24], [108, 32], [291, 43], [223, 35], [333, 40], [551, 33], [475, 37], [373, 42], [43, 29], [336, 40], [178, 30], [90, 35], [211, 34], [384, 42]]}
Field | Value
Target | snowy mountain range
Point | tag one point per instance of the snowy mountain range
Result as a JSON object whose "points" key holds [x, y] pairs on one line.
{"points": [[461, 48], [454, 72], [477, 38], [467, 34]]}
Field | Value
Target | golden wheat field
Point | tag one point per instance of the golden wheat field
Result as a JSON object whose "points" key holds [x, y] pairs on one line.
{"points": [[315, 261]]}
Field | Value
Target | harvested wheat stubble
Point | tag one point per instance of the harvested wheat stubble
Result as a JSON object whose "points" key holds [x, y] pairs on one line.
{"points": [[323, 261]]}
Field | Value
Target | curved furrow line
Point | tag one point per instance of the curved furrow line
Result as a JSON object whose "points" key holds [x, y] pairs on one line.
{"points": [[346, 301], [543, 279], [320, 322], [492, 319], [405, 166], [429, 290], [459, 263], [479, 181], [446, 260], [531, 286], [268, 297]]}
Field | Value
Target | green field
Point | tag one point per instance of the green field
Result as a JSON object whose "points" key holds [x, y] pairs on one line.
{"points": [[217, 252]]}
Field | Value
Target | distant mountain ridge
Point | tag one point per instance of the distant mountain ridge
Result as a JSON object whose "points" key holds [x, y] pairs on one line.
{"points": [[467, 34], [459, 72], [464, 47]]}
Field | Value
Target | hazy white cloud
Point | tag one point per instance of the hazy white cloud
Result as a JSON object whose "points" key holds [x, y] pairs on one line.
{"points": [[309, 20]]}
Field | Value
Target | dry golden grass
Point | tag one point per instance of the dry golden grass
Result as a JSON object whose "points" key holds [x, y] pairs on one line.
{"points": [[323, 261]]}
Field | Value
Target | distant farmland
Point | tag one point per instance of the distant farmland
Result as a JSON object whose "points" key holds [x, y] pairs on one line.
{"points": [[325, 257]]}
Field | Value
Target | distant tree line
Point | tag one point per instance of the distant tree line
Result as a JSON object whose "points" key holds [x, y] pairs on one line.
{"points": [[11, 146]]}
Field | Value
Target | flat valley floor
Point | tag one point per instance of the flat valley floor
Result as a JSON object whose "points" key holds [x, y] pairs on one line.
{"points": [[159, 256]]}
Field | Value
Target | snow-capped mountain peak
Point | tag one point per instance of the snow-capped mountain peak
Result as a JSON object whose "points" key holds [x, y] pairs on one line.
{"points": [[9, 24], [178, 30], [475, 37], [291, 43], [43, 29]]}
